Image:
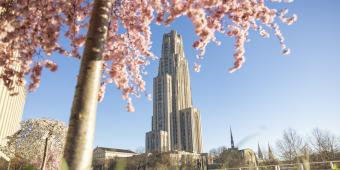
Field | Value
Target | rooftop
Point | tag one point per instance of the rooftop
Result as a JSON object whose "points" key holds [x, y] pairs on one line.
{"points": [[115, 150]]}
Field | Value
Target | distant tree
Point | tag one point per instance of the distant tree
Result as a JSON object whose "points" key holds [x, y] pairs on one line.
{"points": [[117, 46], [291, 145], [191, 164], [213, 152], [217, 151], [39, 142], [137, 162], [324, 144], [17, 163], [221, 149], [140, 150], [216, 154], [159, 161]]}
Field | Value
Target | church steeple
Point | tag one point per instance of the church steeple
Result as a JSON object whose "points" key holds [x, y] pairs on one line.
{"points": [[231, 138], [259, 152], [270, 153]]}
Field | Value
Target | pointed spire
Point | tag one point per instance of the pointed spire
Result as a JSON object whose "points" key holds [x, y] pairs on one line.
{"points": [[231, 138], [259, 152], [270, 153]]}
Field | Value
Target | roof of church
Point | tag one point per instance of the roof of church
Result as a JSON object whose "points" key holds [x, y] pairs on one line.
{"points": [[115, 150]]}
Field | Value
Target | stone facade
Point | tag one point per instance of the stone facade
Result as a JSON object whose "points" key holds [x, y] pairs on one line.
{"points": [[102, 157], [185, 160], [235, 158], [176, 124], [167, 161], [109, 153]]}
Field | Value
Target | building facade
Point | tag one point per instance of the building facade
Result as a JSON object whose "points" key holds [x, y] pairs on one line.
{"points": [[11, 110], [234, 157], [176, 124], [104, 157], [109, 153]]}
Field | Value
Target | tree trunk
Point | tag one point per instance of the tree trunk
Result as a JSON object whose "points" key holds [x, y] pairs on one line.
{"points": [[80, 135], [43, 164]]}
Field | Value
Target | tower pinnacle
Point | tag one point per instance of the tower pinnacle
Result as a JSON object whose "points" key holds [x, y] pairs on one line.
{"points": [[231, 138], [270, 153], [259, 152]]}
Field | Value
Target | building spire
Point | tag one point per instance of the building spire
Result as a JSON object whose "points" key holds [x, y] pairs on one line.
{"points": [[270, 153], [259, 152], [231, 138]]}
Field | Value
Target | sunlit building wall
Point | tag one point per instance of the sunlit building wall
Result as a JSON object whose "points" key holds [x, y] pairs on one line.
{"points": [[11, 110], [176, 124]]}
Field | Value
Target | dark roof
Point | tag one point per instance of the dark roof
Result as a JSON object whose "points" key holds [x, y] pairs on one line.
{"points": [[115, 150]]}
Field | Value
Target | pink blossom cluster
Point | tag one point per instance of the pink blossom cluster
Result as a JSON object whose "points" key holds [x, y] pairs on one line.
{"points": [[233, 18], [30, 32]]}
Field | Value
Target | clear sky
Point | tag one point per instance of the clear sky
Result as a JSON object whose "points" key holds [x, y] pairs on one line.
{"points": [[269, 94]]}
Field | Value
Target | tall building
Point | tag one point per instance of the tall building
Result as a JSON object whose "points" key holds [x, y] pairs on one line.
{"points": [[11, 109], [176, 124]]}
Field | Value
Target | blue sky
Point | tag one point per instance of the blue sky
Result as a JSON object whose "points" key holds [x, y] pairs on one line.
{"points": [[269, 94]]}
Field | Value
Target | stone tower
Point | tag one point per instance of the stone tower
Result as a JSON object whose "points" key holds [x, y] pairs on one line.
{"points": [[270, 154], [259, 152], [232, 145], [176, 123]]}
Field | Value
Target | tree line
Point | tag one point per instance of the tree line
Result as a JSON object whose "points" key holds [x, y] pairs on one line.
{"points": [[318, 146]]}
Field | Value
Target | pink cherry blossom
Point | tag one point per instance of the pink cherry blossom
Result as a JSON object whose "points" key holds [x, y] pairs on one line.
{"points": [[31, 32]]}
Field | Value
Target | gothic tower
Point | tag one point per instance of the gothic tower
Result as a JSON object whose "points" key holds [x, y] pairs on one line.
{"points": [[176, 123], [270, 154], [231, 139], [259, 152]]}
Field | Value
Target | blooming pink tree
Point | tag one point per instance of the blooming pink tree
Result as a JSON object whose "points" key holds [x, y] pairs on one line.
{"points": [[30, 32], [39, 142]]}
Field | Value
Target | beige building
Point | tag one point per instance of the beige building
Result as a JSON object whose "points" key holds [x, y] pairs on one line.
{"points": [[11, 110], [103, 157], [101, 153], [234, 157], [176, 124]]}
